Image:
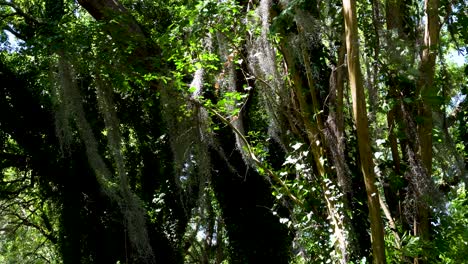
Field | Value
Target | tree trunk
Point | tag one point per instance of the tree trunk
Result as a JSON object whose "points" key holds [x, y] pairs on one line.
{"points": [[362, 127], [125, 32], [425, 81], [427, 92]]}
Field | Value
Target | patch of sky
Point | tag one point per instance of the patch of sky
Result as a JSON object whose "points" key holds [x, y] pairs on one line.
{"points": [[458, 57], [9, 42]]}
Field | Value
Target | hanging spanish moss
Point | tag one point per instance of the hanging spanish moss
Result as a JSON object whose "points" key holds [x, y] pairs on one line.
{"points": [[422, 191], [116, 189], [72, 101], [263, 63], [130, 204], [62, 112], [189, 137], [228, 84]]}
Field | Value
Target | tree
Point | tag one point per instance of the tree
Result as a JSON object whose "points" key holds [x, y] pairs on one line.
{"points": [[223, 132], [362, 127]]}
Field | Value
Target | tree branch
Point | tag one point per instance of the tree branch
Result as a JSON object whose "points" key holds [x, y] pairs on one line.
{"points": [[260, 164], [120, 24], [28, 18]]}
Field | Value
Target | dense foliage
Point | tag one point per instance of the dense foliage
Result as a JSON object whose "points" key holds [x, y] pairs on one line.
{"points": [[201, 131]]}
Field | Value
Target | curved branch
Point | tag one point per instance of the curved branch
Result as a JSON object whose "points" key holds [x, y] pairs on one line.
{"points": [[14, 32], [120, 25], [28, 18], [259, 163]]}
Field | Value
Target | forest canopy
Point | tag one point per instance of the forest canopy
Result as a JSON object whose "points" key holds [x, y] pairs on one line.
{"points": [[263, 131]]}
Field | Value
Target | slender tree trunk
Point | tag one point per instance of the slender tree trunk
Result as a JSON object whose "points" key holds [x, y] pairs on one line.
{"points": [[394, 18], [362, 127], [427, 92], [393, 141], [426, 80], [315, 137]]}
